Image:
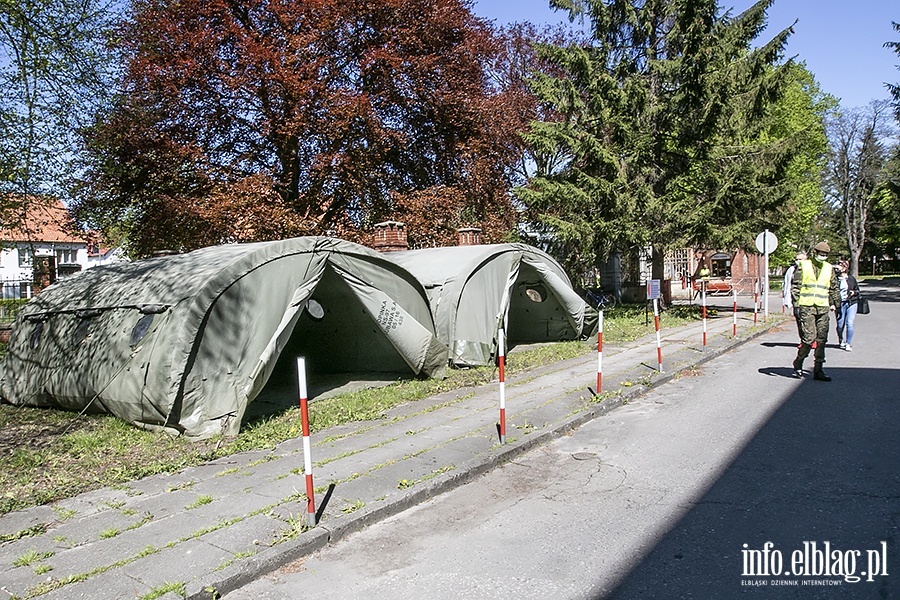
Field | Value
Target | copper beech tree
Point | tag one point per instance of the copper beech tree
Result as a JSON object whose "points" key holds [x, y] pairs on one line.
{"points": [[261, 119]]}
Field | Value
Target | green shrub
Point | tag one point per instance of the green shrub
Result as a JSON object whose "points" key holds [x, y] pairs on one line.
{"points": [[10, 307]]}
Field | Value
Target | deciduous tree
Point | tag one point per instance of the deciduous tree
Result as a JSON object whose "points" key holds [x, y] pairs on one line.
{"points": [[856, 170], [54, 71], [800, 115], [312, 117]]}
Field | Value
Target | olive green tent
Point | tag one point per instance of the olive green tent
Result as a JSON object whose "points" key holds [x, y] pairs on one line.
{"points": [[475, 289], [184, 342]]}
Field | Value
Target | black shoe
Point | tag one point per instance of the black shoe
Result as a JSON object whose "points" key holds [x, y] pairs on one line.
{"points": [[797, 374], [821, 376]]}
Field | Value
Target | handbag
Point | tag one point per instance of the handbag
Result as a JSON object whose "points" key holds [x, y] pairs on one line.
{"points": [[863, 306]]}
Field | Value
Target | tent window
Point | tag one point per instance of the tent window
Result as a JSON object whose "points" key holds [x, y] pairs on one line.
{"points": [[35, 340], [315, 310], [536, 293], [140, 329], [81, 331]]}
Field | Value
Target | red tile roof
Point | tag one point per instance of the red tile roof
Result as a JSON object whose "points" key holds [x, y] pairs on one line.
{"points": [[45, 221]]}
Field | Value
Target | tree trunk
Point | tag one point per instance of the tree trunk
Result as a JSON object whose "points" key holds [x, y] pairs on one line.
{"points": [[657, 263]]}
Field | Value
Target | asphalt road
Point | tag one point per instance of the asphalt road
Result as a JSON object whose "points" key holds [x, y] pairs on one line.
{"points": [[692, 491]]}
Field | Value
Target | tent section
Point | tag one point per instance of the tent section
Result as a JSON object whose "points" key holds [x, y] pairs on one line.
{"points": [[475, 289], [184, 342]]}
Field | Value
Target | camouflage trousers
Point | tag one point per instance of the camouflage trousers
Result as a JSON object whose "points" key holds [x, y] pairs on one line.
{"points": [[814, 323]]}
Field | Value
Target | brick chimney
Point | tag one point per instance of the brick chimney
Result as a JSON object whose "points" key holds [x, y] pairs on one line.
{"points": [[390, 236], [469, 236]]}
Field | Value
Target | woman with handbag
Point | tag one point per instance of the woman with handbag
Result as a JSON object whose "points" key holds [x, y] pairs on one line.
{"points": [[846, 314]]}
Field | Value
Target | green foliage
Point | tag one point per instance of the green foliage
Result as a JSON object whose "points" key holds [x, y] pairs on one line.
{"points": [[885, 223], [665, 122], [54, 72], [9, 308], [200, 501], [34, 530], [857, 173], [801, 114], [162, 590], [893, 87], [30, 557]]}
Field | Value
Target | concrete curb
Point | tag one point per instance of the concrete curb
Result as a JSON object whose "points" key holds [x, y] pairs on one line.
{"points": [[215, 585]]}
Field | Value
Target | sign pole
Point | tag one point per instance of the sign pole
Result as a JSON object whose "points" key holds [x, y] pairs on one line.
{"points": [[703, 310], [766, 252], [501, 356], [658, 342], [767, 243], [600, 354], [755, 299], [734, 320], [307, 457]]}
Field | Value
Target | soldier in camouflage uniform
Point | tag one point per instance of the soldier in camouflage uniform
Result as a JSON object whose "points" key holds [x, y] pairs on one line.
{"points": [[816, 292]]}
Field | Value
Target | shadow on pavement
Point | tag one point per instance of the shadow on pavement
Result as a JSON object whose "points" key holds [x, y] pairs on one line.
{"points": [[823, 468], [777, 371], [880, 291]]}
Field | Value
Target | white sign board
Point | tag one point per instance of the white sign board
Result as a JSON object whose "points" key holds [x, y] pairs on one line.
{"points": [[766, 242], [653, 289]]}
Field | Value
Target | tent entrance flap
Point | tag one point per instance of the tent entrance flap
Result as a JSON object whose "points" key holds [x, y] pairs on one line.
{"points": [[336, 334], [536, 311], [269, 359]]}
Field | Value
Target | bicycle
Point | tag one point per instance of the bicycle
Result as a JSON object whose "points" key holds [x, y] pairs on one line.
{"points": [[601, 301]]}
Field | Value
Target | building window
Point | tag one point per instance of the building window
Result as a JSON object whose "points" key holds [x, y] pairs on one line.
{"points": [[66, 256], [721, 265], [25, 257]]}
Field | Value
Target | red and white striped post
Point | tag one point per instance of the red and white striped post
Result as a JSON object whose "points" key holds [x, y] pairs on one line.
{"points": [[307, 457], [600, 353], [658, 341], [501, 358], [734, 318], [703, 311], [755, 300]]}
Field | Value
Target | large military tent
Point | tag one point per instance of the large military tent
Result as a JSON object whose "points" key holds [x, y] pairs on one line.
{"points": [[475, 289], [184, 342]]}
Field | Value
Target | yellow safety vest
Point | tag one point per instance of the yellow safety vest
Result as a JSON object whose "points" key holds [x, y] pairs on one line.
{"points": [[814, 292], [704, 273]]}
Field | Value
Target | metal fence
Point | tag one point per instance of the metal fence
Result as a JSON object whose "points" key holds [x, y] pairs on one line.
{"points": [[11, 289]]}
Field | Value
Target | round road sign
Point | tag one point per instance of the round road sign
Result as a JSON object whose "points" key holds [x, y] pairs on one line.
{"points": [[766, 242]]}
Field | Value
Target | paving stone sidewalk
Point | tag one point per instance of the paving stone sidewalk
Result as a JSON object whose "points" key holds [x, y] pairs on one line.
{"points": [[211, 528]]}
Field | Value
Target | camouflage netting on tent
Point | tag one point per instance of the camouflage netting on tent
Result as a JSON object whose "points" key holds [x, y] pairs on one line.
{"points": [[185, 342], [475, 289]]}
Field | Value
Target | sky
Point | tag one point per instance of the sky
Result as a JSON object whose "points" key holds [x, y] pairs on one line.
{"points": [[841, 41]]}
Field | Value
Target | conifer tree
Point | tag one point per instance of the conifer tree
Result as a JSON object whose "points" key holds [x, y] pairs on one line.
{"points": [[665, 121], [894, 89]]}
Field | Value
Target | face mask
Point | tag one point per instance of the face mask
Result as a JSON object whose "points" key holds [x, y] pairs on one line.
{"points": [[821, 257]]}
